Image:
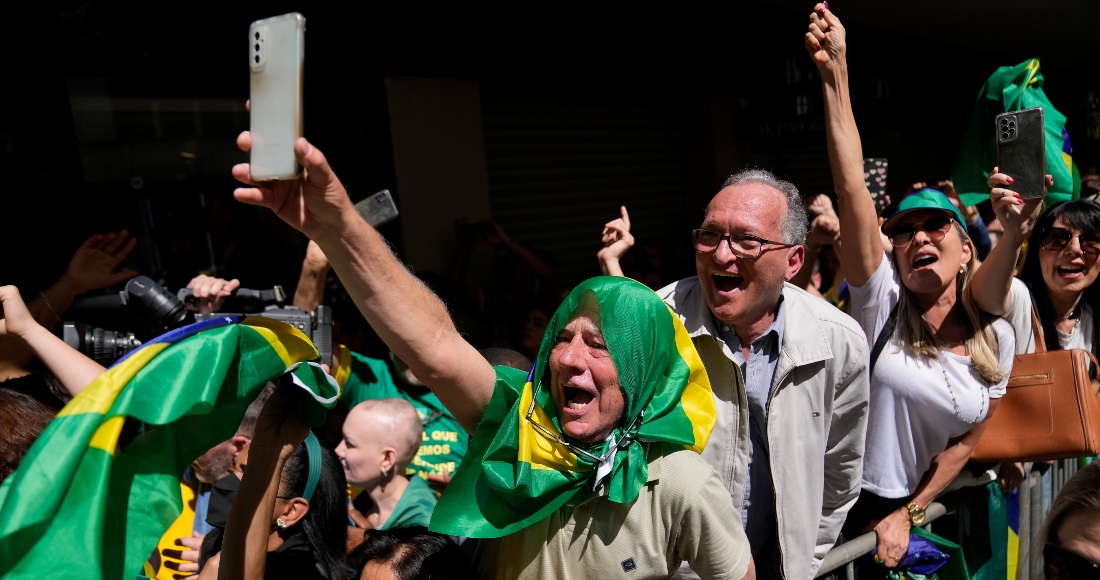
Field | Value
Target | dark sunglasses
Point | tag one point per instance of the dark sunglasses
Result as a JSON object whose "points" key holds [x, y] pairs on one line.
{"points": [[1056, 239], [936, 228], [1061, 563]]}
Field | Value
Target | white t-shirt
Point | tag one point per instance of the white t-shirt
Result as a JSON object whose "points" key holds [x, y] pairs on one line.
{"points": [[1019, 316], [912, 415]]}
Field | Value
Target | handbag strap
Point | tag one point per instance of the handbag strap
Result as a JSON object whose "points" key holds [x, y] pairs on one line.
{"points": [[883, 338], [1037, 330]]}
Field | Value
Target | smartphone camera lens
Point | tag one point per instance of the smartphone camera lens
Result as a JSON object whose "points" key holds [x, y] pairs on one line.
{"points": [[257, 59], [257, 36], [257, 47]]}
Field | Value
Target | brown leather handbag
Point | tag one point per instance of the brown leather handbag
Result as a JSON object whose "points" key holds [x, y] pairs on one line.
{"points": [[1050, 410]]}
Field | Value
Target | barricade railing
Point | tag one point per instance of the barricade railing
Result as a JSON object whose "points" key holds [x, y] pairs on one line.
{"points": [[1036, 494]]}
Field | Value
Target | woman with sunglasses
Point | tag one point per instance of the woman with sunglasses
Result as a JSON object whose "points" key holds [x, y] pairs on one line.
{"points": [[1072, 531], [942, 364], [1058, 279]]}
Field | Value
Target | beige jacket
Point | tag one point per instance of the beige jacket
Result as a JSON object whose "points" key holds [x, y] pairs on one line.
{"points": [[817, 418]]}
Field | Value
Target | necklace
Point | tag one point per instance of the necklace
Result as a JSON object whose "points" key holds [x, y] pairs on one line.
{"points": [[955, 401]]}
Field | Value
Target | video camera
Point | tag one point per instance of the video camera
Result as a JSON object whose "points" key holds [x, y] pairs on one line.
{"points": [[158, 310]]}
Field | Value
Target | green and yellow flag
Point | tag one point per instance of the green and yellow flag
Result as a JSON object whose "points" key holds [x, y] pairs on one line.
{"points": [[516, 473], [1012, 88], [101, 484]]}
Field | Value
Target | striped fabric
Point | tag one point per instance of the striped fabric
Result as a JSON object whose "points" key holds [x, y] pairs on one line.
{"points": [[101, 484]]}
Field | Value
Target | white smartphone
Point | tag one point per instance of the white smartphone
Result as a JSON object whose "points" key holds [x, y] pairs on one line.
{"points": [[276, 55]]}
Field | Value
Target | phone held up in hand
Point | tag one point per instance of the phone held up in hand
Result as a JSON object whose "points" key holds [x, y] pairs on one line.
{"points": [[378, 208], [1021, 150], [276, 55], [874, 177]]}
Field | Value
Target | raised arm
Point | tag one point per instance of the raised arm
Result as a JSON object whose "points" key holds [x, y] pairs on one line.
{"points": [[92, 267], [862, 251], [73, 369], [616, 241], [404, 313], [992, 283], [310, 292], [279, 431]]}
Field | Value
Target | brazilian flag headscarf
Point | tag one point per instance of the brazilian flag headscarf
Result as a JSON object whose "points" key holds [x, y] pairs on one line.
{"points": [[514, 475]]}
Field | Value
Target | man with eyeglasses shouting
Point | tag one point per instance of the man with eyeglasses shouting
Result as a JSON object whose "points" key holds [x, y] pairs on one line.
{"points": [[586, 467], [788, 371]]}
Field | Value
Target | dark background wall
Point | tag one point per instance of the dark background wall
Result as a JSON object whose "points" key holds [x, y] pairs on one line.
{"points": [[115, 117]]}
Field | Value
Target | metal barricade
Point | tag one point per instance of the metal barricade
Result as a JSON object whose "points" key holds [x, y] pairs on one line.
{"points": [[1037, 491]]}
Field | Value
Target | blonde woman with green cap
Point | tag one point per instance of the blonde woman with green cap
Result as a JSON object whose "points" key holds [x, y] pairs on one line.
{"points": [[941, 364]]}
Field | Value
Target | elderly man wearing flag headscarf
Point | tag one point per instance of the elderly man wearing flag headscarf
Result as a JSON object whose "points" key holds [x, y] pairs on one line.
{"points": [[587, 466]]}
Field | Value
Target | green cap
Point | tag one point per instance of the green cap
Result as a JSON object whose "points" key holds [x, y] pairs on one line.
{"points": [[923, 199]]}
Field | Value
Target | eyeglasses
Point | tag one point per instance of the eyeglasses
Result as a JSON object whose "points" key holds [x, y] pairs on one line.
{"points": [[742, 245], [936, 228], [1056, 240], [621, 444], [1061, 563]]}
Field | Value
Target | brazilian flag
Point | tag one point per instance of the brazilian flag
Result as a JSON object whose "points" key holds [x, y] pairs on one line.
{"points": [[520, 466], [101, 484], [1012, 88]]}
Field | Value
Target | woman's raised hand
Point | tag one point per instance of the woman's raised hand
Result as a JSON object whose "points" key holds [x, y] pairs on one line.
{"points": [[279, 425], [1017, 216], [825, 38]]}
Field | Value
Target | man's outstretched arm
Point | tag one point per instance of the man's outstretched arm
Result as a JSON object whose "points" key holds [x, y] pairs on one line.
{"points": [[405, 314]]}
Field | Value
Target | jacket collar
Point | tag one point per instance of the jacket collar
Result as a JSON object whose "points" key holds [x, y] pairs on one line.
{"points": [[804, 341]]}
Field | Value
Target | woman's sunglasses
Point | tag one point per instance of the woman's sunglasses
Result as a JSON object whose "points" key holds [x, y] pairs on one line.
{"points": [[1061, 563], [936, 228], [1056, 240]]}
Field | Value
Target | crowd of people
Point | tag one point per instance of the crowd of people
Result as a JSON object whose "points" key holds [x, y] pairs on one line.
{"points": [[826, 373]]}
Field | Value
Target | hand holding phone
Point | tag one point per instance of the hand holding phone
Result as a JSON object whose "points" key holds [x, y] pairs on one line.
{"points": [[1021, 150], [275, 58]]}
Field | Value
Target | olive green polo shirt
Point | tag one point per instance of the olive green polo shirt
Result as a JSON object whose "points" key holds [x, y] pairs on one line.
{"points": [[683, 513]]}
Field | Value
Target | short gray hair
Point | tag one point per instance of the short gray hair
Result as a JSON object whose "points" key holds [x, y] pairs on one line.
{"points": [[793, 224]]}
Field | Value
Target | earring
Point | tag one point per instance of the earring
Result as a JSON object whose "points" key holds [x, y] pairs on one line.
{"points": [[279, 522], [385, 472], [962, 269]]}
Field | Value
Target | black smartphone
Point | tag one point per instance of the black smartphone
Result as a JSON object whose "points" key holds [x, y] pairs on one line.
{"points": [[1021, 151], [874, 177]]}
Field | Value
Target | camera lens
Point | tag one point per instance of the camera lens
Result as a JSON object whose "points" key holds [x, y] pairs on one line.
{"points": [[257, 59], [257, 36], [257, 47], [1004, 135]]}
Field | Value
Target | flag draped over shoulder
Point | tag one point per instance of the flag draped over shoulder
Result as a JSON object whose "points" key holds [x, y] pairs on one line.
{"points": [[514, 475], [1012, 88], [101, 484]]}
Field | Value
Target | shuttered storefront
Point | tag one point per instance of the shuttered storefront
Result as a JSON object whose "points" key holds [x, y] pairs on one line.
{"points": [[562, 161]]}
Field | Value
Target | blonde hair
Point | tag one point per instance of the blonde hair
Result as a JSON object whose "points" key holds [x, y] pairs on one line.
{"points": [[981, 343]]}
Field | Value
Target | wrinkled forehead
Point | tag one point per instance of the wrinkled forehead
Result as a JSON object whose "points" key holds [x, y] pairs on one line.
{"points": [[746, 206], [586, 316]]}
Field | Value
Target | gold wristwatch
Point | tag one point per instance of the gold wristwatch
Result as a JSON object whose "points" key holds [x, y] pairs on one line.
{"points": [[916, 513]]}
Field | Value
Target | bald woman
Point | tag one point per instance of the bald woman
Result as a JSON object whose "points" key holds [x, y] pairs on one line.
{"points": [[380, 440]]}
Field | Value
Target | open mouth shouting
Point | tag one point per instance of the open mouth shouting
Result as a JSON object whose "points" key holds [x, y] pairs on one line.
{"points": [[924, 260], [1072, 271], [577, 398], [726, 282]]}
